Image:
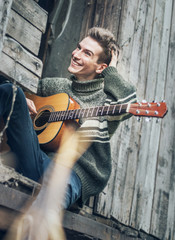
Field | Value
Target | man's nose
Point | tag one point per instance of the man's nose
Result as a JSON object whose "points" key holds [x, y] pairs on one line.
{"points": [[77, 53]]}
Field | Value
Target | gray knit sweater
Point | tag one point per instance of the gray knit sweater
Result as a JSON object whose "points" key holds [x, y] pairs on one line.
{"points": [[94, 166]]}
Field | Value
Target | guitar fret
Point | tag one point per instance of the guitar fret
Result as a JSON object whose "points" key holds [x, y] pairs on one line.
{"points": [[59, 115], [50, 117], [56, 117], [71, 114], [66, 115], [97, 111], [108, 108], [114, 109], [83, 110], [62, 114], [92, 112], [53, 116], [102, 110], [87, 114], [120, 108], [76, 113]]}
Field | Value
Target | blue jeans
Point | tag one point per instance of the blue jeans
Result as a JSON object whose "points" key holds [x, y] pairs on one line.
{"points": [[32, 162]]}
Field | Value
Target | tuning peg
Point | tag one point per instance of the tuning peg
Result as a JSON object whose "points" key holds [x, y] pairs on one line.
{"points": [[147, 119], [138, 119], [157, 120]]}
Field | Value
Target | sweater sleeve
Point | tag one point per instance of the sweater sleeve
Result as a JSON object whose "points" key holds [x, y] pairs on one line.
{"points": [[118, 91], [116, 88]]}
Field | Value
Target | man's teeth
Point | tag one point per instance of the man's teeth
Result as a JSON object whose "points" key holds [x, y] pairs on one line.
{"points": [[75, 63]]}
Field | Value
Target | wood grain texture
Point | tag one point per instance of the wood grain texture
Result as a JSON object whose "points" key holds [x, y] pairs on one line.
{"points": [[5, 7], [141, 188], [14, 50], [24, 32], [32, 12], [16, 72]]}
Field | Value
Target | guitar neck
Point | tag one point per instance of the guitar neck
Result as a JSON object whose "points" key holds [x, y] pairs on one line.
{"points": [[111, 110]]}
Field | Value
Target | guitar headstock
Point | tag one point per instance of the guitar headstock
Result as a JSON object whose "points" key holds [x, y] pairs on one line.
{"points": [[149, 109]]}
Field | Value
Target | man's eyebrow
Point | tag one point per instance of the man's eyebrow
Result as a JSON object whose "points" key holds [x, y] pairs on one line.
{"points": [[79, 46]]}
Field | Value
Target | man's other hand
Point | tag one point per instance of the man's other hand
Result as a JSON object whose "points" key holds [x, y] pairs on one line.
{"points": [[114, 59], [31, 106]]}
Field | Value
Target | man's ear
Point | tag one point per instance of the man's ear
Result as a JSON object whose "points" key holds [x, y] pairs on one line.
{"points": [[101, 67]]}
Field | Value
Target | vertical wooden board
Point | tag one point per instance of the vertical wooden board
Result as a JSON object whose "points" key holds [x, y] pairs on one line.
{"points": [[126, 170], [99, 13], [105, 201], [163, 216], [140, 48], [111, 200], [140, 192], [125, 158], [24, 32], [123, 175], [5, 7], [146, 173], [138, 73], [125, 35], [112, 15], [88, 18], [123, 207], [145, 50], [32, 12]]}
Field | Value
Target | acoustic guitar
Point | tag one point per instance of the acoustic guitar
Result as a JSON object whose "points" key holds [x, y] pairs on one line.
{"points": [[56, 111]]}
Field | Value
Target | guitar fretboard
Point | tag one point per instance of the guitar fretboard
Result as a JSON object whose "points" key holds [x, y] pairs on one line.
{"points": [[110, 110]]}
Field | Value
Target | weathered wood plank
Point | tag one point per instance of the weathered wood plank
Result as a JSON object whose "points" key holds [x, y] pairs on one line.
{"points": [[125, 37], [122, 206], [24, 32], [113, 8], [13, 70], [145, 38], [14, 50], [163, 216], [121, 186], [144, 195], [32, 12], [5, 7], [92, 228], [100, 10], [88, 17], [139, 214]]}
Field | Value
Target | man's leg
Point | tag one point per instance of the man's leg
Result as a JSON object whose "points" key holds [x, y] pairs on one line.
{"points": [[73, 192], [22, 138], [23, 141]]}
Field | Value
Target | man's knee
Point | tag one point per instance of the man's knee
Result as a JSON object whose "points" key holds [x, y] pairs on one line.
{"points": [[8, 90]]}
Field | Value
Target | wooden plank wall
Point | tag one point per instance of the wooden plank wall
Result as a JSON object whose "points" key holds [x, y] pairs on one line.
{"points": [[141, 190], [5, 7], [23, 24]]}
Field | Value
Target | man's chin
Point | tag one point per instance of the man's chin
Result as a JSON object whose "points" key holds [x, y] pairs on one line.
{"points": [[71, 70]]}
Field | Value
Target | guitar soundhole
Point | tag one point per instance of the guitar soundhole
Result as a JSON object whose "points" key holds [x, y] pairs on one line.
{"points": [[42, 118]]}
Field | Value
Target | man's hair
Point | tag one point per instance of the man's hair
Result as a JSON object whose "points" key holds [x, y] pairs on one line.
{"points": [[107, 41]]}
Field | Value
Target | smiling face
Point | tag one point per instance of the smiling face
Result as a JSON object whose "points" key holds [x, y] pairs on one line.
{"points": [[84, 62]]}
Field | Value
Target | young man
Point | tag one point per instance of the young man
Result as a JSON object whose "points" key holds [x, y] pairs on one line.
{"points": [[95, 82]]}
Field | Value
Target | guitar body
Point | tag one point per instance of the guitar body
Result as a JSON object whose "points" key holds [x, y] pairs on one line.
{"points": [[49, 134]]}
